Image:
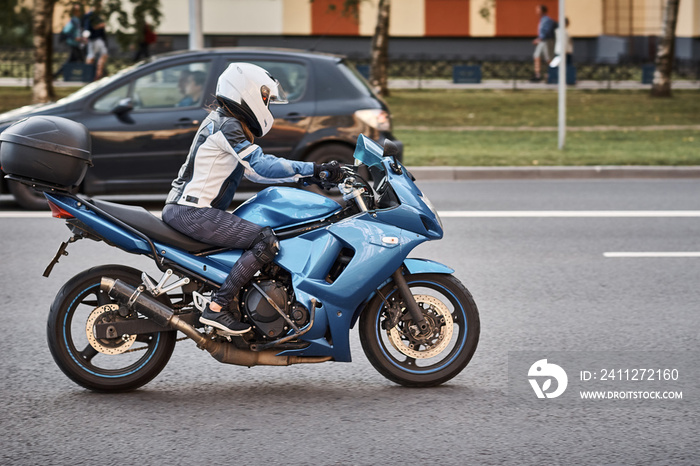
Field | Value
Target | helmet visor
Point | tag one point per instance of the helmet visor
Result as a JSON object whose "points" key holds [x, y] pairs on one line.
{"points": [[273, 96]]}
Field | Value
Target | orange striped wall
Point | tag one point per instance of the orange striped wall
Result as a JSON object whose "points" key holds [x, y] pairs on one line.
{"points": [[327, 19], [447, 17], [409, 18], [518, 17]]}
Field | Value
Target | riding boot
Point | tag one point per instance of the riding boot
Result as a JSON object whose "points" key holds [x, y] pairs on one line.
{"points": [[243, 271], [263, 251]]}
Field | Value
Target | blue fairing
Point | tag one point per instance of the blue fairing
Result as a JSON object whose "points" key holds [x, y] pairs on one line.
{"points": [[415, 266], [413, 214], [279, 206]]}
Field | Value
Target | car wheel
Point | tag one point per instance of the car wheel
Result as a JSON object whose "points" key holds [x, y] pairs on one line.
{"points": [[27, 197], [328, 152], [343, 154]]}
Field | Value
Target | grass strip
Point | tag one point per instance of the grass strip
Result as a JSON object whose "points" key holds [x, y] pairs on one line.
{"points": [[528, 148], [458, 107], [15, 97]]}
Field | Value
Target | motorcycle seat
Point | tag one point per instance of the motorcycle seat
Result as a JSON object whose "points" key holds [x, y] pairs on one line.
{"points": [[151, 226]]}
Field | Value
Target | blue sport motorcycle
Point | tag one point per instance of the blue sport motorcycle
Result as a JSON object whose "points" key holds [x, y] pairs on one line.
{"points": [[114, 328]]}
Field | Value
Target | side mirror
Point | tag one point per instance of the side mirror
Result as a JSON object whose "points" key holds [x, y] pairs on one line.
{"points": [[123, 106], [392, 150]]}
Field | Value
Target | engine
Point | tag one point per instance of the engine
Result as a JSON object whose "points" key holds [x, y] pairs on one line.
{"points": [[269, 306]]}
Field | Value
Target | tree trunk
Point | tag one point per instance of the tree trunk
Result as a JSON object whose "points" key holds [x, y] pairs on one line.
{"points": [[380, 50], [661, 86], [43, 51]]}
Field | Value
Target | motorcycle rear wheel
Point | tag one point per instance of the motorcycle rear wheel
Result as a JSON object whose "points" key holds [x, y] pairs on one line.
{"points": [[413, 360], [113, 365]]}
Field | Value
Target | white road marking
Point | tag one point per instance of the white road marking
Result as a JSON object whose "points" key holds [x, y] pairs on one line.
{"points": [[651, 254], [568, 213], [492, 214], [518, 214], [25, 214], [42, 214]]}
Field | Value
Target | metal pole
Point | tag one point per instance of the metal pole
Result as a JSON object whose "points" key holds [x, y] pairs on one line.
{"points": [[196, 38], [562, 74]]}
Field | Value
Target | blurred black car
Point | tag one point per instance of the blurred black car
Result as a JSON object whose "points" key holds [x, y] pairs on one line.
{"points": [[142, 120]]}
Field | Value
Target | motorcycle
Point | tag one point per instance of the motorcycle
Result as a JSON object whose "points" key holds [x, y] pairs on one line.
{"points": [[113, 328]]}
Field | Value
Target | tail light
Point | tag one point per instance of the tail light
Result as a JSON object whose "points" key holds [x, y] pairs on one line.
{"points": [[57, 212]]}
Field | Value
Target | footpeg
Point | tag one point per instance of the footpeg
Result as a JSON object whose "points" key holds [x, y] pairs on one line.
{"points": [[160, 288]]}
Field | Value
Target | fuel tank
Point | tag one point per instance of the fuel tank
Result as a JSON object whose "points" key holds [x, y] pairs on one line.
{"points": [[277, 207]]}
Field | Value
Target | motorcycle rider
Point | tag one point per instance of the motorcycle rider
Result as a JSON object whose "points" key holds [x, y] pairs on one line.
{"points": [[223, 151]]}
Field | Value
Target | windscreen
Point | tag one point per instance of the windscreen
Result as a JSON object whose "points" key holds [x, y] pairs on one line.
{"points": [[369, 152]]}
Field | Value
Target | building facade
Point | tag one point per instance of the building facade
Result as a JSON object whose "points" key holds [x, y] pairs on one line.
{"points": [[603, 30]]}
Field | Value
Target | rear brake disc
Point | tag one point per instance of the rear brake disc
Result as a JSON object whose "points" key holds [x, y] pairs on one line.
{"points": [[111, 346]]}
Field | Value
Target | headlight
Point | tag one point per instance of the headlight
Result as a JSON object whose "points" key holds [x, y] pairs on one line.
{"points": [[376, 118], [432, 209]]}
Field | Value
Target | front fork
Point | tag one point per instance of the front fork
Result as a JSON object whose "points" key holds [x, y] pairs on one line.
{"points": [[351, 191], [410, 301]]}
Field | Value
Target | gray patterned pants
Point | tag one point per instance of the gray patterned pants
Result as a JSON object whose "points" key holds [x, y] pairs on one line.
{"points": [[223, 229]]}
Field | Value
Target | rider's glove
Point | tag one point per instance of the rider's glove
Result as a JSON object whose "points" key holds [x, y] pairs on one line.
{"points": [[330, 172]]}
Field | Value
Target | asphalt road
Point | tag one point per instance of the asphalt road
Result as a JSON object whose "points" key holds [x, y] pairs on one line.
{"points": [[544, 287]]}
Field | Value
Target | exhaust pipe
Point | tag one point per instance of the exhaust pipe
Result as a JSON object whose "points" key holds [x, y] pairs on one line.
{"points": [[227, 353]]}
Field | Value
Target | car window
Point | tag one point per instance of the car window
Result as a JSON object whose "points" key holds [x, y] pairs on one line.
{"points": [[292, 76], [93, 86], [356, 79], [107, 102], [172, 87]]}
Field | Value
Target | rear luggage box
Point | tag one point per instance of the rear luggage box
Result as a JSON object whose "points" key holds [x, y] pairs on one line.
{"points": [[47, 150]]}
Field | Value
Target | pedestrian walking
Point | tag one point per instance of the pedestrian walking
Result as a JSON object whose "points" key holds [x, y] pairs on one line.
{"points": [[544, 42], [94, 25], [71, 35], [560, 48]]}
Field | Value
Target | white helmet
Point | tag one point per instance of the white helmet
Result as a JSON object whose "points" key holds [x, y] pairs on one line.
{"points": [[248, 89]]}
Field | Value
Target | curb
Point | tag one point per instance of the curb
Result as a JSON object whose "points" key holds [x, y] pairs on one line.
{"points": [[509, 84], [543, 173]]}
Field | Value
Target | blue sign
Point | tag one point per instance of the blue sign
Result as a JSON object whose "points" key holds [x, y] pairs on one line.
{"points": [[469, 74], [648, 74], [363, 70]]}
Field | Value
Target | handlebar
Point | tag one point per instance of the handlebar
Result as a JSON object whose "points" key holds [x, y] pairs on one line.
{"points": [[352, 187], [322, 179], [312, 180]]}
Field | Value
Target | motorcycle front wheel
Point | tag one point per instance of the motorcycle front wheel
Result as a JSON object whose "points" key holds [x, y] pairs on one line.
{"points": [[122, 363], [401, 352]]}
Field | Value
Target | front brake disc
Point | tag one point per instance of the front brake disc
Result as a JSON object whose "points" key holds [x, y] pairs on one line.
{"points": [[439, 336]]}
